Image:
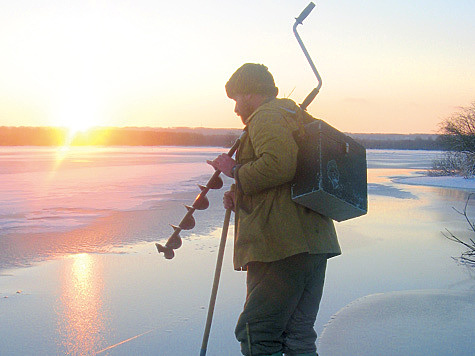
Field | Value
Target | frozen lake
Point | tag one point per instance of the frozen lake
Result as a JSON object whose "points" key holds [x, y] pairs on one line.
{"points": [[79, 273], [49, 189]]}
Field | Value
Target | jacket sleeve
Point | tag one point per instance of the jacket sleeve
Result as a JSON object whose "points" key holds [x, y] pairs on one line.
{"points": [[276, 153]]}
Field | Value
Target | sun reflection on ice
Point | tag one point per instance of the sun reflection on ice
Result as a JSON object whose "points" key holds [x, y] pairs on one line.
{"points": [[81, 319], [67, 149]]}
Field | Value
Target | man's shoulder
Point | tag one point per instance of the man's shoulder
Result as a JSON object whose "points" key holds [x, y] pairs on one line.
{"points": [[280, 105], [277, 108]]}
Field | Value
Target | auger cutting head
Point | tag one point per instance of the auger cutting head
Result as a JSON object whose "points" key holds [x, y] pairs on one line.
{"points": [[174, 242], [167, 251]]}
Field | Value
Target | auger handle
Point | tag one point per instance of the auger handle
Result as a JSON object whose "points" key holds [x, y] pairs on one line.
{"points": [[298, 21], [309, 98], [305, 13]]}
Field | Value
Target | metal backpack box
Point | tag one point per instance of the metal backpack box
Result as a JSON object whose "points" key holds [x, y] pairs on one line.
{"points": [[331, 168], [331, 173]]}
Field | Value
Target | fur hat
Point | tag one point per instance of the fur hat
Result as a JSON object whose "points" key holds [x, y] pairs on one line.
{"points": [[251, 78]]}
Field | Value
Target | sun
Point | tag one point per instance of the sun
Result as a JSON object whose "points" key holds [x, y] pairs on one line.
{"points": [[78, 113], [80, 123]]}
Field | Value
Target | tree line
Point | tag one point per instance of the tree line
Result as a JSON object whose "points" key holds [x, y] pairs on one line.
{"points": [[403, 144], [50, 136]]}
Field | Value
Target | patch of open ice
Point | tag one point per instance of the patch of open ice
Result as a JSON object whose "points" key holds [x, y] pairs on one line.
{"points": [[389, 191], [424, 322]]}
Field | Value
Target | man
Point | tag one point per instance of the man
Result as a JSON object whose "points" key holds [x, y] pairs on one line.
{"points": [[283, 246]]}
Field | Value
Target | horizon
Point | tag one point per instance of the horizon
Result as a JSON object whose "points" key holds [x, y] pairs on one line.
{"points": [[86, 131], [386, 67]]}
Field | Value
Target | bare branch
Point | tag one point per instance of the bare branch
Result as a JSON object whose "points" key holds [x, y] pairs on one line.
{"points": [[467, 257]]}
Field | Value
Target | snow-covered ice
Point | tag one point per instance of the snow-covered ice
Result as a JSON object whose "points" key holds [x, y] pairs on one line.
{"points": [[416, 323]]}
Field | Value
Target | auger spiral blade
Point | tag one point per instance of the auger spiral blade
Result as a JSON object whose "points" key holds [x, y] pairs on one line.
{"points": [[174, 241], [188, 222], [215, 182], [201, 202]]}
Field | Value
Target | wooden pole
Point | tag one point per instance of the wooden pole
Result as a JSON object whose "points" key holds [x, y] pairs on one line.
{"points": [[217, 274]]}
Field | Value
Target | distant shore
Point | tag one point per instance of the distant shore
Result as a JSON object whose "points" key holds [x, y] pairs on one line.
{"points": [[183, 136]]}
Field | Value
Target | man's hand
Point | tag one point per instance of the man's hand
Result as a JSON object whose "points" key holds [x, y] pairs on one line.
{"points": [[229, 200], [224, 163]]}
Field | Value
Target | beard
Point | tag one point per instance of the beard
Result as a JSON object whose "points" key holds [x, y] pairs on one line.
{"points": [[245, 111]]}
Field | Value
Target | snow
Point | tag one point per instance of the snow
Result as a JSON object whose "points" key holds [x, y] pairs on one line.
{"points": [[425, 322]]}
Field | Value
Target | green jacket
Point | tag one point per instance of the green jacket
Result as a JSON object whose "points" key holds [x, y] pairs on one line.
{"points": [[269, 225]]}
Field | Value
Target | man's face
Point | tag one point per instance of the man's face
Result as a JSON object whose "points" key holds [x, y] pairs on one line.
{"points": [[243, 107]]}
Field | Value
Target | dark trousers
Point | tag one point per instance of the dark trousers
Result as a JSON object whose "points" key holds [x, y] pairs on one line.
{"points": [[281, 306]]}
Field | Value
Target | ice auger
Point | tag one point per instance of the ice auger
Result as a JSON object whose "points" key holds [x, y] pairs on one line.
{"points": [[201, 203]]}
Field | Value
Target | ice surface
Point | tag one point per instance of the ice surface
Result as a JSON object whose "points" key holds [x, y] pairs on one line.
{"points": [[408, 159], [54, 189], [445, 182], [50, 189], [91, 297]]}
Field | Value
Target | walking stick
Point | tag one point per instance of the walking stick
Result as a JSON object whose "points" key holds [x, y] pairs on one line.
{"points": [[217, 274]]}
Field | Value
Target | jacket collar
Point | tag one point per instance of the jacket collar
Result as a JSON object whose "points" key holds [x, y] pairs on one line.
{"points": [[262, 106]]}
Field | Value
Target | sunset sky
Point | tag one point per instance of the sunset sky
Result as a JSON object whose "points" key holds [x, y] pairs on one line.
{"points": [[387, 66]]}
